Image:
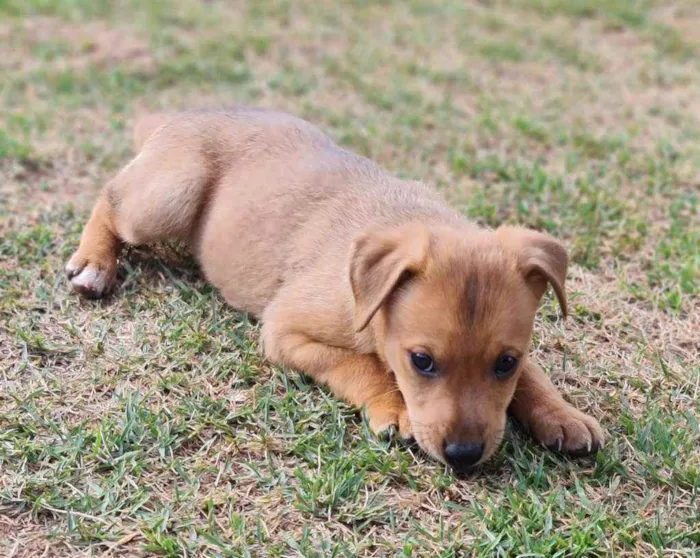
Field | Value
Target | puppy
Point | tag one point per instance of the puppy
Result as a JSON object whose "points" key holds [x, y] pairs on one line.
{"points": [[369, 284]]}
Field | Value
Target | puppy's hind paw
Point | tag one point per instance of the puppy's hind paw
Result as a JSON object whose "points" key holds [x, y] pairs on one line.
{"points": [[90, 279]]}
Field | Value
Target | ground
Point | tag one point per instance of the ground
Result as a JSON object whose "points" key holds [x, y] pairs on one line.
{"points": [[149, 422]]}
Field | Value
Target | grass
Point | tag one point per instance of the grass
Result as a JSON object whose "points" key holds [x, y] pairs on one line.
{"points": [[149, 424]]}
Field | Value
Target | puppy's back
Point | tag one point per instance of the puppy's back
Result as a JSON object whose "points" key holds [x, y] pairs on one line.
{"points": [[147, 124]]}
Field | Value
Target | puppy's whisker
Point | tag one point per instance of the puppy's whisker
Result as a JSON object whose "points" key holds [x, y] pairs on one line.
{"points": [[423, 427]]}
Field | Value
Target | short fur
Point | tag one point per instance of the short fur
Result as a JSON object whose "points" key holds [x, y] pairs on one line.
{"points": [[349, 269]]}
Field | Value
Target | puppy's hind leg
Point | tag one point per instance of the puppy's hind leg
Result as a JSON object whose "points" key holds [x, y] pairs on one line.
{"points": [[157, 196], [92, 270]]}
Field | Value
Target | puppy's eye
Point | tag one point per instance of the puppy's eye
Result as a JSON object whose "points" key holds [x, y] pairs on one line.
{"points": [[505, 366], [423, 363]]}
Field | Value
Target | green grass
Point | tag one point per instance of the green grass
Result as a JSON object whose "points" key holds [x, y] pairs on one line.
{"points": [[149, 423]]}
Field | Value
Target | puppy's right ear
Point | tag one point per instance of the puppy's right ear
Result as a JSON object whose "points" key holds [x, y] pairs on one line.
{"points": [[542, 260], [378, 261]]}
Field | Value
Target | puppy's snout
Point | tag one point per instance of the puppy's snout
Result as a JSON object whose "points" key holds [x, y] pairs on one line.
{"points": [[462, 455]]}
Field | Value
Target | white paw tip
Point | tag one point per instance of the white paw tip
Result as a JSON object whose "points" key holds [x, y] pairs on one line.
{"points": [[88, 280]]}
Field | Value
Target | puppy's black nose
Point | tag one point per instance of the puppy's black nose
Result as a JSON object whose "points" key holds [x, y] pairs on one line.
{"points": [[463, 455]]}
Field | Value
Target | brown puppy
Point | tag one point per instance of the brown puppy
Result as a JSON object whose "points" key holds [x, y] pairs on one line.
{"points": [[369, 284]]}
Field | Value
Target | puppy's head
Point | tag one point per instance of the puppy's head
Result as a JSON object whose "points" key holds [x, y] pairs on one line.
{"points": [[452, 312]]}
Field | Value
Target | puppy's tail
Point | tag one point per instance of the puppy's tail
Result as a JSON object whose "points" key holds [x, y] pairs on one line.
{"points": [[147, 125]]}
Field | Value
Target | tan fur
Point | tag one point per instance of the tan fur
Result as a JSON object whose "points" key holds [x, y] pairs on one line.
{"points": [[349, 269]]}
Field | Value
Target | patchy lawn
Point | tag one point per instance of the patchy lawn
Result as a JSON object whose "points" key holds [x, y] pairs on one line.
{"points": [[149, 423]]}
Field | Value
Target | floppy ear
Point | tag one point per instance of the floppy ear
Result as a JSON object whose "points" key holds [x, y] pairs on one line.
{"points": [[542, 260], [379, 260]]}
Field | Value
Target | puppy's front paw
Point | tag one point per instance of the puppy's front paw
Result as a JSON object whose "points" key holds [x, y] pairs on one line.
{"points": [[565, 428], [387, 414], [92, 279]]}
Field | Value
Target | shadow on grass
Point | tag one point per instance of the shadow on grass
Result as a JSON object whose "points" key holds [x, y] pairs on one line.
{"points": [[150, 265], [147, 269]]}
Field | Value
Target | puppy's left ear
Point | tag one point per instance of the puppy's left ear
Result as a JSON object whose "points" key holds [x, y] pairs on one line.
{"points": [[542, 260], [380, 258]]}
